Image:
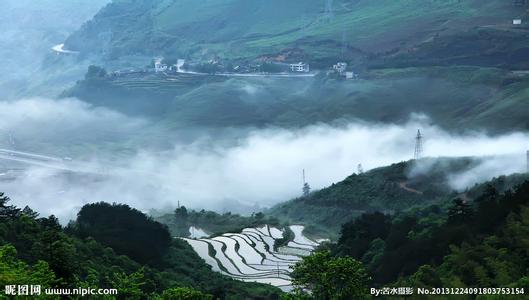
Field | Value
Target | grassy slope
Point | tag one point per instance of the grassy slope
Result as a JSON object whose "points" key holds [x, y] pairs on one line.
{"points": [[398, 42], [246, 29], [380, 190], [454, 97]]}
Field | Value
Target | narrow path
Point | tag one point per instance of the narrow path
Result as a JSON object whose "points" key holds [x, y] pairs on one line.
{"points": [[403, 186]]}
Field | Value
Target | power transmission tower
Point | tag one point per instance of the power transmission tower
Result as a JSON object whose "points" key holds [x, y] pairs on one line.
{"points": [[12, 141], [418, 145], [527, 161], [360, 169], [306, 186]]}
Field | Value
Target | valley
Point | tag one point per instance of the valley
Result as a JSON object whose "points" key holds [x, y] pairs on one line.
{"points": [[247, 149]]}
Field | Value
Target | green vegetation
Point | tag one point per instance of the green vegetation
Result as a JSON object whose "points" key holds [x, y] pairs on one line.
{"points": [[288, 235], [472, 244], [453, 97], [477, 243], [405, 186], [39, 250], [211, 222], [124, 230], [337, 278], [16, 272], [299, 29], [450, 60], [184, 294]]}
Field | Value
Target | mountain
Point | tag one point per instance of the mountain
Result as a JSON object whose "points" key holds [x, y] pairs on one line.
{"points": [[455, 98], [458, 62], [311, 30], [29, 30], [400, 187], [108, 246], [466, 245]]}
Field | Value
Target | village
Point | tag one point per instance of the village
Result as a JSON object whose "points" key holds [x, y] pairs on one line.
{"points": [[215, 67]]}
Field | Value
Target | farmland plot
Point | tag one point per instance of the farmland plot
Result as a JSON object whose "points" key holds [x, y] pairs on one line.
{"points": [[250, 255]]}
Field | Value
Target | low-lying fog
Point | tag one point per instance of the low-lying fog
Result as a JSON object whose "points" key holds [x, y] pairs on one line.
{"points": [[240, 170], [29, 29]]}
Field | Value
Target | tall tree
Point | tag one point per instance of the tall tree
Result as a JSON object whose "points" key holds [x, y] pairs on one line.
{"points": [[329, 277], [6, 210]]}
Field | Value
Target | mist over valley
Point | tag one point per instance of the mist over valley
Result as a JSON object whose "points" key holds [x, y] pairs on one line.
{"points": [[237, 149]]}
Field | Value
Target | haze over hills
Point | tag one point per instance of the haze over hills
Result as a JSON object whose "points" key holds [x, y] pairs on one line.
{"points": [[454, 61], [319, 31], [299, 115], [401, 187], [456, 98], [29, 30], [161, 115]]}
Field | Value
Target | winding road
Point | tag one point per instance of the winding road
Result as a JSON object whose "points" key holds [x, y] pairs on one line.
{"points": [[59, 49]]}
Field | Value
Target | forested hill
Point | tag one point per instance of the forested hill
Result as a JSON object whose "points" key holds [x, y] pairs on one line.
{"points": [[399, 187], [110, 246], [471, 244], [314, 30]]}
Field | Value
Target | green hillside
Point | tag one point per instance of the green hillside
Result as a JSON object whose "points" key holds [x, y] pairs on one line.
{"points": [[391, 189], [108, 246], [454, 61], [454, 98], [467, 245], [315, 30]]}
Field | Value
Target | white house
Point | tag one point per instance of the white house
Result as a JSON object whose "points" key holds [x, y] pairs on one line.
{"points": [[351, 75], [179, 64], [158, 66], [300, 67], [517, 22], [340, 67]]}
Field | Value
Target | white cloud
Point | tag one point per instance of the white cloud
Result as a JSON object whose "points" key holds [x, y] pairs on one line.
{"points": [[258, 167]]}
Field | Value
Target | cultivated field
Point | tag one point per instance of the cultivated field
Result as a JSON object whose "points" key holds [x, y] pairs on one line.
{"points": [[250, 255]]}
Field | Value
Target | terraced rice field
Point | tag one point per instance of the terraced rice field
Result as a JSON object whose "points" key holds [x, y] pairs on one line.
{"points": [[250, 255], [162, 83]]}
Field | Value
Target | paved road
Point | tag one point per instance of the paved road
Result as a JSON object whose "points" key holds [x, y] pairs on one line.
{"points": [[60, 49], [46, 161], [279, 75]]}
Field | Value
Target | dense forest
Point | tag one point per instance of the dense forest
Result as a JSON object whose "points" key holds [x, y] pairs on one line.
{"points": [[109, 246], [482, 242], [478, 243]]}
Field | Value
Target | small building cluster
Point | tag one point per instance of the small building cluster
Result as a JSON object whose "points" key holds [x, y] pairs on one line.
{"points": [[159, 66], [300, 67], [340, 70]]}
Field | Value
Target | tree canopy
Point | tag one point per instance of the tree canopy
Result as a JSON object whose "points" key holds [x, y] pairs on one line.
{"points": [[330, 277]]}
